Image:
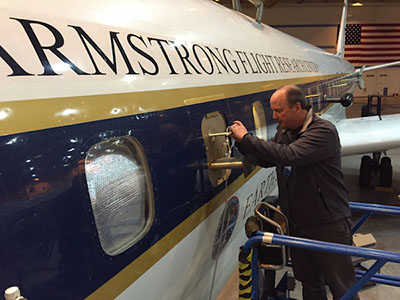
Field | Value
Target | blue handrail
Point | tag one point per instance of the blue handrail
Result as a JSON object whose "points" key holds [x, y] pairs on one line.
{"points": [[375, 208], [371, 274], [381, 278], [380, 256], [279, 239], [369, 209]]}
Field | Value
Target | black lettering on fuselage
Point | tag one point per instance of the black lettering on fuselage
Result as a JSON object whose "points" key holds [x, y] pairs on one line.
{"points": [[242, 60], [269, 64], [237, 71], [114, 41], [248, 205], [144, 54], [271, 181], [160, 45], [257, 197], [198, 59], [196, 46], [288, 66], [251, 66], [15, 67], [262, 191], [217, 59], [303, 66], [280, 64], [59, 42], [295, 65], [185, 58], [261, 66]]}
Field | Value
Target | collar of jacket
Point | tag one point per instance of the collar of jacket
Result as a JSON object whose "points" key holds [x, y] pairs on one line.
{"points": [[309, 118], [307, 121]]}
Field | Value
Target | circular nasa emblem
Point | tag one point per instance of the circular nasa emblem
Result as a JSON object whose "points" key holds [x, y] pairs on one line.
{"points": [[226, 225]]}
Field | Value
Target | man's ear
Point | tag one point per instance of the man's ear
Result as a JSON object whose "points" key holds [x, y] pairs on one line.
{"points": [[298, 106]]}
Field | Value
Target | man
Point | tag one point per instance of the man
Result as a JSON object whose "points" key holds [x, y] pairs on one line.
{"points": [[312, 194]]}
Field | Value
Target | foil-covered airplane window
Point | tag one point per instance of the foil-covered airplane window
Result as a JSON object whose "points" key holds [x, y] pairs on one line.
{"points": [[120, 192]]}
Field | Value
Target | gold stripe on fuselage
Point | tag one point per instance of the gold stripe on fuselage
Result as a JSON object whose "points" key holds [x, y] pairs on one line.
{"points": [[30, 115]]}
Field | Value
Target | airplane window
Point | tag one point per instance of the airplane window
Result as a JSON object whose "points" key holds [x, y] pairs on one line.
{"points": [[120, 192], [260, 120]]}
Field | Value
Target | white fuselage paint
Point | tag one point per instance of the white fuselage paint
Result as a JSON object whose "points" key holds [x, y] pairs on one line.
{"points": [[147, 20]]}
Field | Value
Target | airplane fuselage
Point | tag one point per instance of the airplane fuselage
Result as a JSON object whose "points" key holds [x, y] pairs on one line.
{"points": [[79, 78]]}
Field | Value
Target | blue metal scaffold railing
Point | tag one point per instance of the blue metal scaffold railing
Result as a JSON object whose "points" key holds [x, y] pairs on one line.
{"points": [[372, 274]]}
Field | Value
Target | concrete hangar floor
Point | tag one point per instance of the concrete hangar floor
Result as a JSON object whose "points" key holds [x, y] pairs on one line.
{"points": [[384, 228]]}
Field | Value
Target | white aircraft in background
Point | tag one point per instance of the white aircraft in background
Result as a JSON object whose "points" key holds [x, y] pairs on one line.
{"points": [[115, 176]]}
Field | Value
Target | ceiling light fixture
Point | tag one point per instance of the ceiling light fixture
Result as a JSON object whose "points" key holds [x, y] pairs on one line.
{"points": [[357, 3]]}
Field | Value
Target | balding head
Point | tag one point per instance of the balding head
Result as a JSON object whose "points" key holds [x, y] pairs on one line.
{"points": [[295, 94], [289, 106]]}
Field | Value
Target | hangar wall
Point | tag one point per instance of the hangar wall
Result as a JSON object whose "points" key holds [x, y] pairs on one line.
{"points": [[318, 25]]}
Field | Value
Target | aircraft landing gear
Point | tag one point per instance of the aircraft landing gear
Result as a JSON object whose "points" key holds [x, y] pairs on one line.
{"points": [[370, 167], [385, 172], [366, 170]]}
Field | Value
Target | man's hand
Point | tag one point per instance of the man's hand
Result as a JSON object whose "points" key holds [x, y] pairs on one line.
{"points": [[238, 131]]}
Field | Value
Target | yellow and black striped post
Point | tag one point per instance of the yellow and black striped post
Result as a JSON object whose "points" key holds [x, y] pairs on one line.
{"points": [[245, 274]]}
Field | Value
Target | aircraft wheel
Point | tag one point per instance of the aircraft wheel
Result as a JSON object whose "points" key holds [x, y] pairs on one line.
{"points": [[385, 172], [366, 170]]}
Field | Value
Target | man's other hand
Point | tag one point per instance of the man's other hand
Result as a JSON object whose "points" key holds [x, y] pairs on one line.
{"points": [[238, 131]]}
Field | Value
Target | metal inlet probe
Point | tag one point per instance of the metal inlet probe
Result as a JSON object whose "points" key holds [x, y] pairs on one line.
{"points": [[218, 150], [372, 274], [226, 163]]}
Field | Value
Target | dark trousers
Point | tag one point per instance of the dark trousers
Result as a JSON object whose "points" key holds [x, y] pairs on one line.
{"points": [[315, 269]]}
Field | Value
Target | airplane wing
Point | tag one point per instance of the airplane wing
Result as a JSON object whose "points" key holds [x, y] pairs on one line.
{"points": [[365, 134], [369, 134], [356, 76]]}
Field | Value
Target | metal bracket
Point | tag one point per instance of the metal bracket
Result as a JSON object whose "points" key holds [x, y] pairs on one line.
{"points": [[259, 5], [281, 228], [236, 5]]}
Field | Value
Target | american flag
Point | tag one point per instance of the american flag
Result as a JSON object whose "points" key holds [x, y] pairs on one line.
{"points": [[369, 44]]}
